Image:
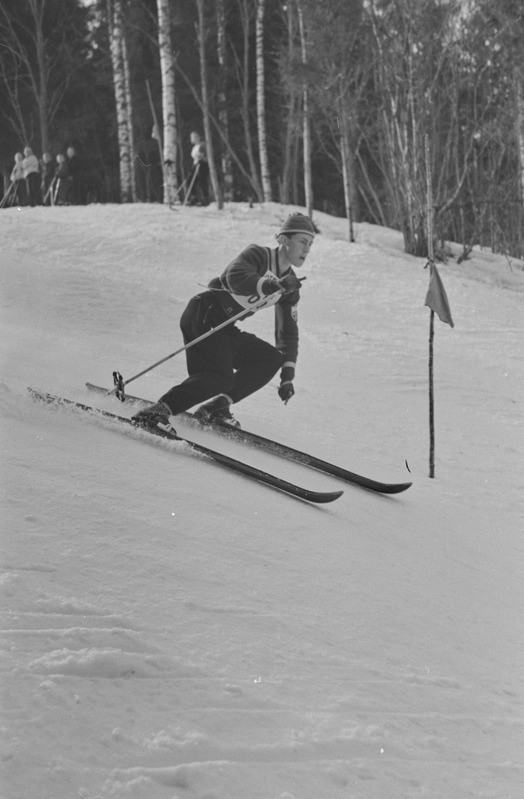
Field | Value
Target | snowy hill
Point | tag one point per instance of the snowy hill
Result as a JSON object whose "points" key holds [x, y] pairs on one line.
{"points": [[174, 631]]}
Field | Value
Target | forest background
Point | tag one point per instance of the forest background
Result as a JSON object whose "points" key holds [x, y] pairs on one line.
{"points": [[343, 106]]}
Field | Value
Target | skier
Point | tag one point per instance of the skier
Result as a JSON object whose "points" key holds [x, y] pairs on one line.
{"points": [[231, 364]]}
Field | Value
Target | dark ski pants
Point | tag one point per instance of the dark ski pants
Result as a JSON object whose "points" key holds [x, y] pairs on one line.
{"points": [[227, 362]]}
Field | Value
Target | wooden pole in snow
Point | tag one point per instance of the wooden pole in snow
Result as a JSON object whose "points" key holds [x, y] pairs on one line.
{"points": [[429, 209]]}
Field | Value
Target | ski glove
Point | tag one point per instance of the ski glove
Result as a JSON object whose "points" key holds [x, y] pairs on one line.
{"points": [[286, 389], [289, 282], [270, 284]]}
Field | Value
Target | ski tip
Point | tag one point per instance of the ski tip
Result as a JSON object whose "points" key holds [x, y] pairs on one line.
{"points": [[323, 497], [396, 488]]}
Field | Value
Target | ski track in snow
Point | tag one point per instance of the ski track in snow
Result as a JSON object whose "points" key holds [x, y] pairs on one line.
{"points": [[173, 631]]}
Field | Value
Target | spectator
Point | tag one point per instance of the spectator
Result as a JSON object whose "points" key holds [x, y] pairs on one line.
{"points": [[47, 175], [199, 177], [61, 180], [74, 175], [19, 196], [32, 177]]}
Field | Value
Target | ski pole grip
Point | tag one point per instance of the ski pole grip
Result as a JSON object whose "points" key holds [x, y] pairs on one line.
{"points": [[120, 391]]}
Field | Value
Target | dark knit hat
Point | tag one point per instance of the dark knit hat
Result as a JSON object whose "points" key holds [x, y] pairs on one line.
{"points": [[298, 223]]}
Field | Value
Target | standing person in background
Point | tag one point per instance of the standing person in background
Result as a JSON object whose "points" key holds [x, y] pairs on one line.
{"points": [[32, 177], [61, 180], [47, 175], [199, 178], [18, 181], [73, 164]]}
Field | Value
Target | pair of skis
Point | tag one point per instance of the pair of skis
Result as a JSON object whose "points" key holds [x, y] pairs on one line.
{"points": [[244, 436]]}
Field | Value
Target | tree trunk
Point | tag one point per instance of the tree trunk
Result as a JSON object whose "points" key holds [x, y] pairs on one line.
{"points": [[129, 105], [205, 105], [223, 116], [348, 171], [244, 87], [167, 68], [43, 75], [289, 170], [261, 107], [519, 88], [308, 183], [116, 33]]}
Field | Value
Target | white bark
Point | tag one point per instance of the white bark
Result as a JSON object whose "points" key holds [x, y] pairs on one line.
{"points": [[223, 116], [308, 182], [519, 84], [116, 34], [217, 191], [261, 108], [167, 68]]}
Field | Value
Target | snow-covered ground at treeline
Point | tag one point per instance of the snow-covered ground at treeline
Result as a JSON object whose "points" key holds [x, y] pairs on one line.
{"points": [[172, 630]]}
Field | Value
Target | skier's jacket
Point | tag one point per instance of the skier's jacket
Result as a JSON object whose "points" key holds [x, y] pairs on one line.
{"points": [[240, 286]]}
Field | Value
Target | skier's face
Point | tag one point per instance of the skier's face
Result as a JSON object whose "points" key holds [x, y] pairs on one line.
{"points": [[297, 247]]}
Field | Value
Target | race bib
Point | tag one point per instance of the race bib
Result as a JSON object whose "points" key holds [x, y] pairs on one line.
{"points": [[258, 301]]}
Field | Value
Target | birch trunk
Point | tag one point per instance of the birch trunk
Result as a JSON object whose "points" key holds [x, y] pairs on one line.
{"points": [[348, 171], [308, 183], [261, 106], [223, 116], [289, 169], [519, 87], [37, 11], [205, 106], [116, 33], [129, 105], [169, 117], [244, 86]]}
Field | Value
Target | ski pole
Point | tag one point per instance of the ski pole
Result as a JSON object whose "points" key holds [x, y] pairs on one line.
{"points": [[182, 186], [49, 191], [188, 195], [120, 383], [6, 195]]}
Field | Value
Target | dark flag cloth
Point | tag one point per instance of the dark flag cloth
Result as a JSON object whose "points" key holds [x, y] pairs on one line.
{"points": [[437, 299]]}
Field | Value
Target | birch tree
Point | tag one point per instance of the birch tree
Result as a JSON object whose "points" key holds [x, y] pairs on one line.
{"points": [[243, 71], [169, 116], [217, 190], [519, 132], [261, 105], [121, 91], [288, 182], [306, 125], [223, 115]]}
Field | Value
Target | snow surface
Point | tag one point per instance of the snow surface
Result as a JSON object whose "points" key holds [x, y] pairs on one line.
{"points": [[172, 630]]}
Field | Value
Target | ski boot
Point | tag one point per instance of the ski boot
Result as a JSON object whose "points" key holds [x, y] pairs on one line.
{"points": [[156, 415], [217, 410]]}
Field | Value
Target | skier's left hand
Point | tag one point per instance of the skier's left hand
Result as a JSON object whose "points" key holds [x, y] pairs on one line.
{"points": [[289, 283], [286, 391]]}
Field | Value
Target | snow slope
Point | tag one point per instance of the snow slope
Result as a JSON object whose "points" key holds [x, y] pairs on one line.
{"points": [[174, 631]]}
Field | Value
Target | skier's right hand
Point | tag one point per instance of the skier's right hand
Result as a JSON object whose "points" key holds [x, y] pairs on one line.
{"points": [[269, 285]]}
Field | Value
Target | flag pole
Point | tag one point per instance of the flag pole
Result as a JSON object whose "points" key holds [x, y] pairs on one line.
{"points": [[429, 209]]}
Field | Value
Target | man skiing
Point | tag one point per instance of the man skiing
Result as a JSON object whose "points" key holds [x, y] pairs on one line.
{"points": [[231, 364]]}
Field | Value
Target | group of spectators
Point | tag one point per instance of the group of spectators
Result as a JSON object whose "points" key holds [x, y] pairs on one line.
{"points": [[39, 182]]}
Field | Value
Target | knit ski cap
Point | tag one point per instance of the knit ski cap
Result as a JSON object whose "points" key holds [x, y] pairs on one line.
{"points": [[298, 223]]}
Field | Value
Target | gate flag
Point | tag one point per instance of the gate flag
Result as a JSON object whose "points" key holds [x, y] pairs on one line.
{"points": [[437, 299]]}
